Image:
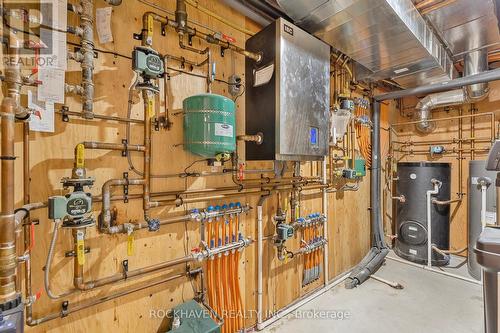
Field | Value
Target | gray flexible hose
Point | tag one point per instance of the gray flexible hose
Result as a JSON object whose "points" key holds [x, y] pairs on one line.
{"points": [[48, 263], [129, 114]]}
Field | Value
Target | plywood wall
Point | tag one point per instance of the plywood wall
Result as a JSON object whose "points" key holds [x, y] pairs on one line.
{"points": [[449, 130], [51, 159]]}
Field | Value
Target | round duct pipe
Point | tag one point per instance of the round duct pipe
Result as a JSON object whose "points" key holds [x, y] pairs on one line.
{"points": [[433, 101], [474, 63], [114, 2]]}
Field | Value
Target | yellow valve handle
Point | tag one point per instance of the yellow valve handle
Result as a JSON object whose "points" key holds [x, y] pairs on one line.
{"points": [[130, 243], [80, 156], [80, 248]]}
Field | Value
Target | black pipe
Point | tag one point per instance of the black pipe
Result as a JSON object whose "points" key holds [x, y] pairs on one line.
{"points": [[376, 256], [482, 77]]}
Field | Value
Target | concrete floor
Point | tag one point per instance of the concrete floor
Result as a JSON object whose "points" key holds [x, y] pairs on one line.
{"points": [[429, 302]]}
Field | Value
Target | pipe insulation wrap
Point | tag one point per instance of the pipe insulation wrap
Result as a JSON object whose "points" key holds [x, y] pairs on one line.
{"points": [[376, 256]]}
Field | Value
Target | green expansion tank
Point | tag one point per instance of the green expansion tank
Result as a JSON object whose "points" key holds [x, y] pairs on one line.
{"points": [[209, 125]]}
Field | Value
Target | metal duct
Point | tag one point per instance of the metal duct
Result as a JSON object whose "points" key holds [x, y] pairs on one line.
{"points": [[259, 11], [388, 37], [474, 63], [430, 102]]}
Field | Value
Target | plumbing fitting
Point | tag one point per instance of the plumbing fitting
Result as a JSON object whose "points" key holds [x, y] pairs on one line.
{"points": [[310, 220], [87, 62], [75, 208], [204, 252], [400, 198], [209, 213], [257, 138]]}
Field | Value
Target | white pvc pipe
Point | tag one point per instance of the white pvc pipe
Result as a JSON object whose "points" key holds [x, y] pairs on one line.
{"points": [[302, 301], [429, 220], [325, 224], [260, 255], [463, 278], [483, 205]]}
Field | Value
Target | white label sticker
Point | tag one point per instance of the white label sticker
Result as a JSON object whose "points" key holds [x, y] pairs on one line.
{"points": [[223, 130], [51, 88], [412, 251], [42, 119], [491, 217], [103, 24], [263, 75]]}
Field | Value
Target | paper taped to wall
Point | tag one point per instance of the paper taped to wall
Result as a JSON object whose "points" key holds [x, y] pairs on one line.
{"points": [[51, 88], [42, 119], [103, 24]]}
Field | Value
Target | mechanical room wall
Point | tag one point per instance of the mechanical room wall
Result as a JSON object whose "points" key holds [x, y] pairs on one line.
{"points": [[51, 159], [465, 133]]}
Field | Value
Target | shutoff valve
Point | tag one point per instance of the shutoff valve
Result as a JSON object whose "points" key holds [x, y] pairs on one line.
{"points": [[75, 208]]}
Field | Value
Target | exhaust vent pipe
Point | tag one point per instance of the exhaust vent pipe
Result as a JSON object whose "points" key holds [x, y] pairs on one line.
{"points": [[474, 63]]}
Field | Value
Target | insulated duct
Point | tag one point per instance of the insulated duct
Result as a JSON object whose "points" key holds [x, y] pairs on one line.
{"points": [[474, 63]]}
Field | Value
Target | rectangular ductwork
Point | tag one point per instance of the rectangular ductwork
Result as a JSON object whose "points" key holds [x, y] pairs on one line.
{"points": [[388, 37]]}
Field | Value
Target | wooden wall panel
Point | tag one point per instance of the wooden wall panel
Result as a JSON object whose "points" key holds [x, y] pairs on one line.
{"points": [[51, 159]]}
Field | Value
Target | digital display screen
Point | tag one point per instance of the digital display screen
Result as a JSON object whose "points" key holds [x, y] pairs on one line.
{"points": [[313, 136]]}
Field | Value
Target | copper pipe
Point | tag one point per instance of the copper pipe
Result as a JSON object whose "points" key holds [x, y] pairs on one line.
{"points": [[444, 253], [27, 228], [446, 202], [88, 304], [489, 114], [353, 145], [85, 286], [106, 198], [257, 138], [472, 132], [8, 256], [113, 146], [23, 238], [100, 117], [464, 150], [460, 153], [181, 201], [435, 142]]}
